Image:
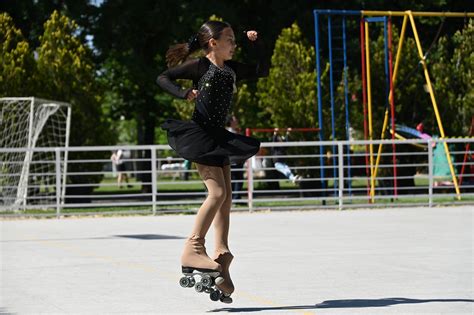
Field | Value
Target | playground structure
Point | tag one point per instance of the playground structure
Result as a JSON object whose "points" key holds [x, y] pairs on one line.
{"points": [[391, 71]]}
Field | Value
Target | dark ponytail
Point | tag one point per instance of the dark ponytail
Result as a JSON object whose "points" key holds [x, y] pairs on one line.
{"points": [[180, 52]]}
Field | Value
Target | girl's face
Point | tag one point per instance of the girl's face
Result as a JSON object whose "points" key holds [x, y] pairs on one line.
{"points": [[224, 47]]}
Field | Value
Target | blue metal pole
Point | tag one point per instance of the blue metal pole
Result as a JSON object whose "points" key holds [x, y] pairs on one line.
{"points": [[320, 104], [346, 103], [331, 93], [375, 19], [338, 12]]}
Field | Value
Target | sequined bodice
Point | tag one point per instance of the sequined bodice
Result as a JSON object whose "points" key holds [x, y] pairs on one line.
{"points": [[214, 99]]}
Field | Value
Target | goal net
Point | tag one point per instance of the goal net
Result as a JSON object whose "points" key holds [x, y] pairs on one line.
{"points": [[28, 127]]}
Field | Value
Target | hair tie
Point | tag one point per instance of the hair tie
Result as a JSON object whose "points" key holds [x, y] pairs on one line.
{"points": [[193, 42]]}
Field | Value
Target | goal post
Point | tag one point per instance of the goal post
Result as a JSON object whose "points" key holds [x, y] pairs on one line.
{"points": [[28, 174]]}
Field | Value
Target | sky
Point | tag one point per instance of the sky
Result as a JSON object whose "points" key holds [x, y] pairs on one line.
{"points": [[97, 3]]}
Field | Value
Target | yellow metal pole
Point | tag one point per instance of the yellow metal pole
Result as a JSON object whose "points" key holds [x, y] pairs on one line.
{"points": [[394, 77], [382, 136], [399, 50], [419, 13], [369, 105], [433, 101]]}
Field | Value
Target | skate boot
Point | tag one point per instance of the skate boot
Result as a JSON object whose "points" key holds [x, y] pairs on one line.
{"points": [[226, 287], [199, 270]]}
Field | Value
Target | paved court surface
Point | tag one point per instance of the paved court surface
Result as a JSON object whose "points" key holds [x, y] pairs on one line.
{"points": [[398, 261]]}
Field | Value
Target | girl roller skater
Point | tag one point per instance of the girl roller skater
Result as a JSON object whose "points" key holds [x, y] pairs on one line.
{"points": [[205, 141]]}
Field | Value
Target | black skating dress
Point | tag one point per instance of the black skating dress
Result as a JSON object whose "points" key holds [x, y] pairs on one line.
{"points": [[204, 139]]}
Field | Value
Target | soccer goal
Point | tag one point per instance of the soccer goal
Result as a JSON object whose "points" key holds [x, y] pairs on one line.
{"points": [[29, 130]]}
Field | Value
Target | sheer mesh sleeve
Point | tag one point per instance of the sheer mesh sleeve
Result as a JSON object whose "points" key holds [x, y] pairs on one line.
{"points": [[251, 71], [188, 70]]}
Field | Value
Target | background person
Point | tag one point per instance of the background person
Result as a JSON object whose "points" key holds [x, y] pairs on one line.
{"points": [[120, 166], [279, 160]]}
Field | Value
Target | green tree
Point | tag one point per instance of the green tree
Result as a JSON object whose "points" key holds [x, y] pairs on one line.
{"points": [[134, 53], [30, 15], [247, 110], [288, 93], [17, 60], [452, 71], [66, 73]]}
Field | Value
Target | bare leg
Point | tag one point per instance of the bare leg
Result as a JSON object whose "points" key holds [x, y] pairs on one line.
{"points": [[194, 253], [222, 218], [213, 178], [119, 179], [222, 254]]}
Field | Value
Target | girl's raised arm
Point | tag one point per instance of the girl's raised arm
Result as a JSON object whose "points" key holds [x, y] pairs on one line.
{"points": [[188, 70], [252, 71]]}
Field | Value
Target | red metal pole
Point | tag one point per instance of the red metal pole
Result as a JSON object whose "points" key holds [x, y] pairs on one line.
{"points": [[282, 129], [464, 163], [467, 152]]}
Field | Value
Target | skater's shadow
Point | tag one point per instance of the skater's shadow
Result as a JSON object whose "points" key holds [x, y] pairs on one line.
{"points": [[382, 302], [5, 311], [151, 237], [355, 303], [259, 309]]}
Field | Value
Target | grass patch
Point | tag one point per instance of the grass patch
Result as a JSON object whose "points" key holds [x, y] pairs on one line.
{"points": [[108, 186]]}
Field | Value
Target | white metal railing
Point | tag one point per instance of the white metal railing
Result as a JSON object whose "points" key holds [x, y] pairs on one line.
{"points": [[331, 174]]}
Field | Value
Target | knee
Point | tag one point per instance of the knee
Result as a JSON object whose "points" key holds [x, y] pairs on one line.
{"points": [[218, 194], [228, 200]]}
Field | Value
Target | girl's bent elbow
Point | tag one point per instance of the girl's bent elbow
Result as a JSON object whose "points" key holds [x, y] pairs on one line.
{"points": [[161, 79]]}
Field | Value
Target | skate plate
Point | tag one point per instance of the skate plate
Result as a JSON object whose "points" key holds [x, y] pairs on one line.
{"points": [[204, 281]]}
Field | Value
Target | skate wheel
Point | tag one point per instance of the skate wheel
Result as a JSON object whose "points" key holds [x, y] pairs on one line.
{"points": [[215, 295], [218, 280], [191, 282], [226, 299], [206, 281], [199, 287], [184, 282]]}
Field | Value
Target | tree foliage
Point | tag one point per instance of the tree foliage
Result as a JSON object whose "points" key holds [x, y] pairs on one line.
{"points": [[17, 60], [61, 70], [453, 74], [67, 73], [288, 93], [129, 48]]}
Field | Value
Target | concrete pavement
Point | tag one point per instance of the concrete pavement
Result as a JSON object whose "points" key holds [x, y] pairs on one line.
{"points": [[394, 261]]}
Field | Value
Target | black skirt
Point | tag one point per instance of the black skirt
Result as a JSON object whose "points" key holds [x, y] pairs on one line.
{"points": [[213, 146]]}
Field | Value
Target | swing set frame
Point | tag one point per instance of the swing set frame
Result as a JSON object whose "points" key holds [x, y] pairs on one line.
{"points": [[367, 17]]}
